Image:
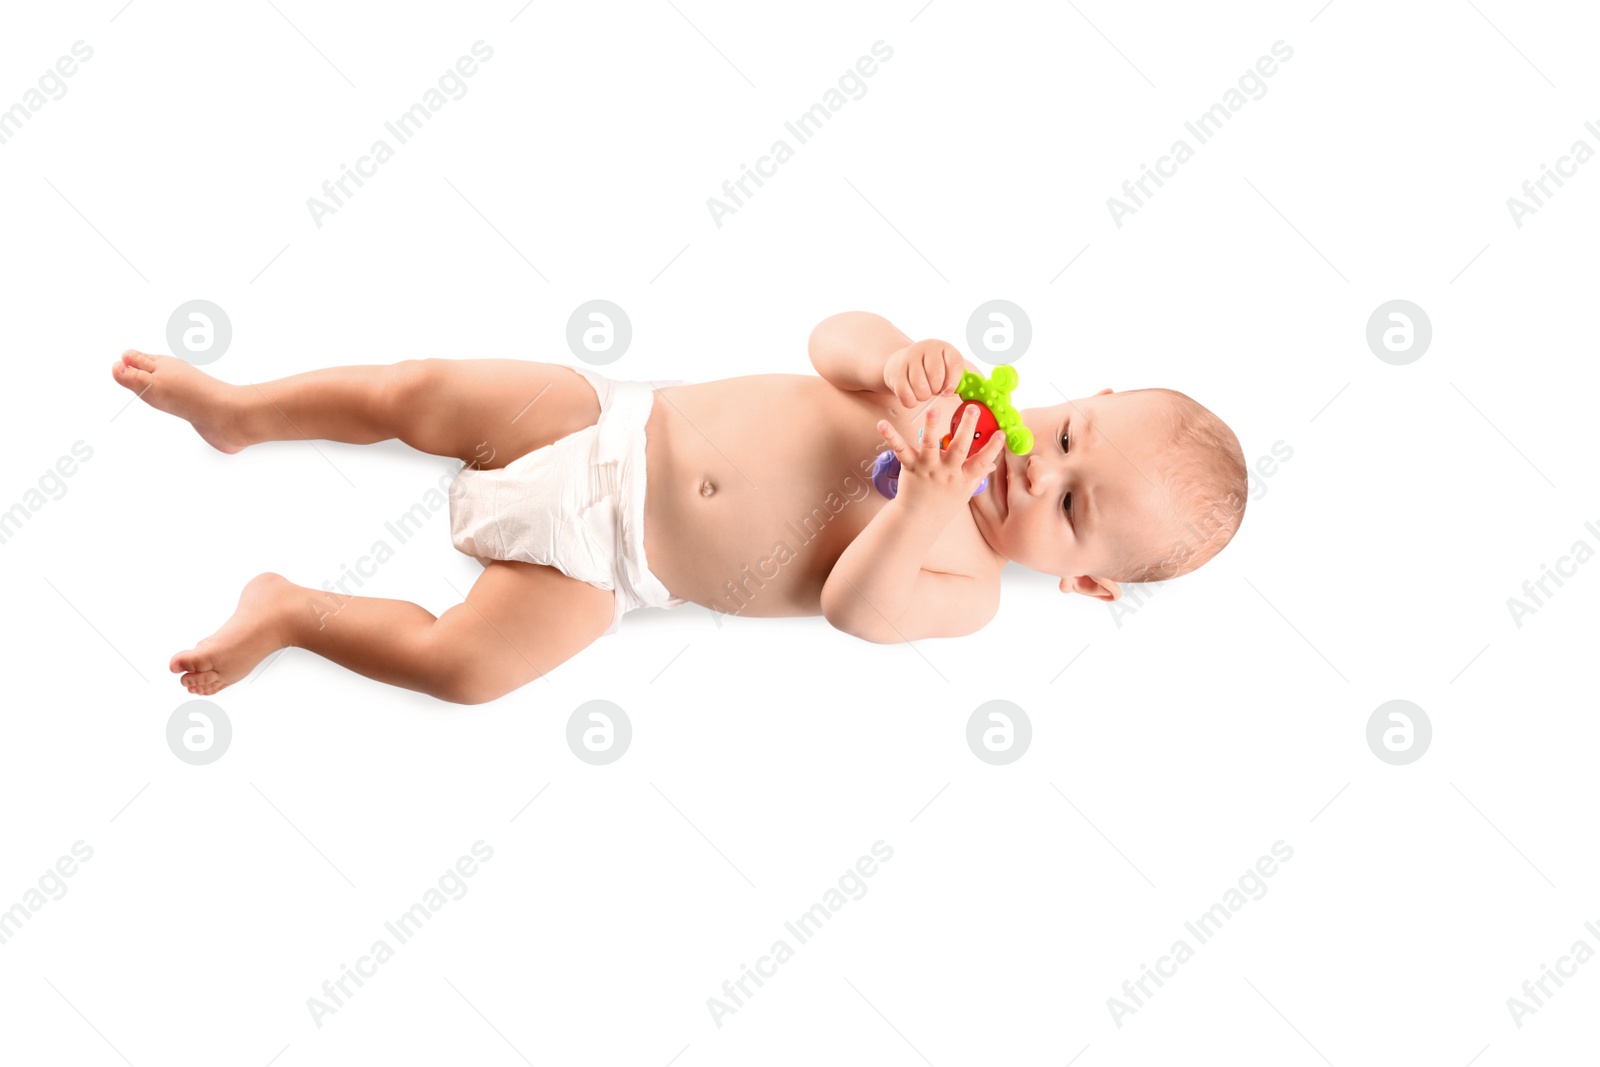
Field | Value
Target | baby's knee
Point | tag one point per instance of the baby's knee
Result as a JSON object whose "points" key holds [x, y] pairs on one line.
{"points": [[470, 675], [466, 690], [411, 382], [465, 681]]}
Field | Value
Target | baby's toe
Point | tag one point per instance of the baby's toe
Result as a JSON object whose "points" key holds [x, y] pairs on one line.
{"points": [[191, 661], [140, 360], [201, 683], [130, 376]]}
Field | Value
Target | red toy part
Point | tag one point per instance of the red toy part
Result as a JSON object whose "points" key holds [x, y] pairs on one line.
{"points": [[986, 427]]}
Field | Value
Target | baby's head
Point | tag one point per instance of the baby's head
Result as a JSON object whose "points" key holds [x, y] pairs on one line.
{"points": [[1120, 487]]}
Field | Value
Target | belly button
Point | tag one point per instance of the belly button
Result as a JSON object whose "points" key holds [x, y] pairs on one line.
{"points": [[707, 489]]}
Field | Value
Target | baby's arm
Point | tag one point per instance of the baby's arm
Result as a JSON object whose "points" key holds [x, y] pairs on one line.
{"points": [[861, 352], [878, 589], [850, 349]]}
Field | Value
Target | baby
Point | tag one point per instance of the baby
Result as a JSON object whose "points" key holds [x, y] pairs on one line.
{"points": [[577, 522]]}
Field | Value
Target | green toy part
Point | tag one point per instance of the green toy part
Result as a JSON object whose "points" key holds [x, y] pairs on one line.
{"points": [[994, 393]]}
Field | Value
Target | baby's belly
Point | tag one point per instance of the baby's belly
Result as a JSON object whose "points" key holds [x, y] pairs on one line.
{"points": [[756, 486]]}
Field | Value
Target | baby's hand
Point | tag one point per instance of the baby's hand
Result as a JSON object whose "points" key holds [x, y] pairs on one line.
{"points": [[938, 481], [923, 370]]}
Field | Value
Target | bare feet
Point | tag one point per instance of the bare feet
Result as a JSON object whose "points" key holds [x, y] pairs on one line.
{"points": [[258, 628], [182, 389]]}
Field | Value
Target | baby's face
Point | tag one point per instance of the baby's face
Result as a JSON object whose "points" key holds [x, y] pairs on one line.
{"points": [[1089, 495]]}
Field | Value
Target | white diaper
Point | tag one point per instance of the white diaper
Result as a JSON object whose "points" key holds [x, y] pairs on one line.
{"points": [[577, 504]]}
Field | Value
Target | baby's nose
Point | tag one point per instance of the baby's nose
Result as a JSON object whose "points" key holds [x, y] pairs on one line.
{"points": [[1033, 474]]}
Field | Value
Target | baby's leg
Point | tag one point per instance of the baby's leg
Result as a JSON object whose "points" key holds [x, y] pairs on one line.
{"points": [[485, 412], [519, 622]]}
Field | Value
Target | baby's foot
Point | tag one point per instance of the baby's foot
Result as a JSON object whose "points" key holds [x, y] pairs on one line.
{"points": [[182, 389], [255, 631]]}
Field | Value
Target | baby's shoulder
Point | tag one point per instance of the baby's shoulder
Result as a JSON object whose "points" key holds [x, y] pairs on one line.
{"points": [[967, 601], [962, 551]]}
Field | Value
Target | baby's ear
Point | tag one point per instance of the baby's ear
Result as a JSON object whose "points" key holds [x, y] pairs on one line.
{"points": [[1099, 588]]}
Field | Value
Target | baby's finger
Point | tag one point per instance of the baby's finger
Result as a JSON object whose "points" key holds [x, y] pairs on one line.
{"points": [[919, 379], [897, 443], [894, 379], [986, 456], [954, 368], [930, 429], [933, 365], [961, 436]]}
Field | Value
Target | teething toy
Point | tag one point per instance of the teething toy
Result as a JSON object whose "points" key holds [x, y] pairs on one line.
{"points": [[992, 397]]}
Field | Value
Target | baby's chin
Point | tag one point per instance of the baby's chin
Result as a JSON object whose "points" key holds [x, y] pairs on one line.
{"points": [[1055, 565]]}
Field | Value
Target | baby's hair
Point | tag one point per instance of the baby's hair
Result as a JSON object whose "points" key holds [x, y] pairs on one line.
{"points": [[1205, 472]]}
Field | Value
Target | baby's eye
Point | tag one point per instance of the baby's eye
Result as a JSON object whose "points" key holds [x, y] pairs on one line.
{"points": [[1067, 504], [1064, 442]]}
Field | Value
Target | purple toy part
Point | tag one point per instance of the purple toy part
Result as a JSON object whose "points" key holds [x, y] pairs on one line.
{"points": [[886, 475]]}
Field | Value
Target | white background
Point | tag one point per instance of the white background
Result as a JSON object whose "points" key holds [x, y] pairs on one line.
{"points": [[1225, 714]]}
